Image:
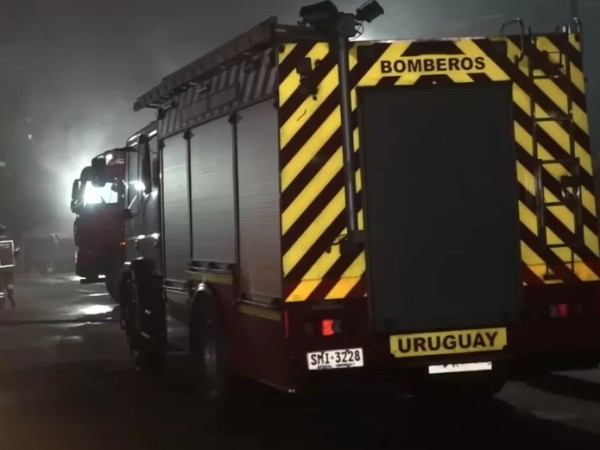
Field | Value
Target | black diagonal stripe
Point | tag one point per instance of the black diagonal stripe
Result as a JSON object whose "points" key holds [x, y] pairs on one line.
{"points": [[541, 98], [586, 255], [552, 184], [291, 61], [317, 205], [359, 290], [289, 286], [481, 78], [332, 277], [423, 48], [319, 247], [387, 81], [529, 276], [565, 235], [326, 108], [551, 146], [319, 72], [558, 228], [565, 84], [549, 257], [311, 170], [562, 43]]}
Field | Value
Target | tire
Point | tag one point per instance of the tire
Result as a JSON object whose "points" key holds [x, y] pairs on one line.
{"points": [[207, 350], [112, 287], [148, 354]]}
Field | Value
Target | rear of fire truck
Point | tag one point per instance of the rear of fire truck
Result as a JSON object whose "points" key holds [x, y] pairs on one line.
{"points": [[416, 211], [476, 211], [98, 203]]}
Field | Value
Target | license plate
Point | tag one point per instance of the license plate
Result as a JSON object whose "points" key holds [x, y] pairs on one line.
{"points": [[448, 342], [455, 368], [335, 359]]}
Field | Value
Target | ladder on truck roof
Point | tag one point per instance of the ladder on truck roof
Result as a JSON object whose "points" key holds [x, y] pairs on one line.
{"points": [[553, 65]]}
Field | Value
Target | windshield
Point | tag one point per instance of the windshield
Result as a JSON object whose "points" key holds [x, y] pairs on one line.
{"points": [[94, 195]]}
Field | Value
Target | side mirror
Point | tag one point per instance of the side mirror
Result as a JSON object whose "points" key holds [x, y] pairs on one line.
{"points": [[76, 196], [118, 187]]}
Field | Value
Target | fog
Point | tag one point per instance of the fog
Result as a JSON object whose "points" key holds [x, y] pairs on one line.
{"points": [[72, 69]]}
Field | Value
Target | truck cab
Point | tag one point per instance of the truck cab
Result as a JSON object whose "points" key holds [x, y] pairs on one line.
{"points": [[98, 203]]}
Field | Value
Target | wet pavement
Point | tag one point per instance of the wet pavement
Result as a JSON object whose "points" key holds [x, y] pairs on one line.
{"points": [[66, 383]]}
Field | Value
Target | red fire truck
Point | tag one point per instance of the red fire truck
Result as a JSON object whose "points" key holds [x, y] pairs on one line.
{"points": [[98, 202], [327, 210]]}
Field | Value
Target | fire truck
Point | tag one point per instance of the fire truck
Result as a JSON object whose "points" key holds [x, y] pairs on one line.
{"points": [[98, 229], [327, 210]]}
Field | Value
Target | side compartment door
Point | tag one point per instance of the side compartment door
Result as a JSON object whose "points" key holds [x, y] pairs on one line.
{"points": [[176, 236]]}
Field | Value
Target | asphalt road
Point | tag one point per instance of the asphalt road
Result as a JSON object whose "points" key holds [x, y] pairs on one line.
{"points": [[66, 383]]}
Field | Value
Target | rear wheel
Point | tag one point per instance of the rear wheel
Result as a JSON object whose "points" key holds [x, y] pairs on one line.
{"points": [[206, 345], [140, 321], [112, 286]]}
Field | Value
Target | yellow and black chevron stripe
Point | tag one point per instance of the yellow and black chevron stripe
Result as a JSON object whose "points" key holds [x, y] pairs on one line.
{"points": [[312, 197]]}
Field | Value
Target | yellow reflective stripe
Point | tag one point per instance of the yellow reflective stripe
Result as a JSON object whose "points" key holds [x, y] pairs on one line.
{"points": [[207, 277], [285, 52], [303, 290], [492, 70], [257, 311], [312, 232], [311, 147], [311, 190], [577, 77], [557, 96], [554, 130]]}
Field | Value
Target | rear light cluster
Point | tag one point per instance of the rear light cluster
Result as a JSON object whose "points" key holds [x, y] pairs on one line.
{"points": [[564, 310], [323, 327]]}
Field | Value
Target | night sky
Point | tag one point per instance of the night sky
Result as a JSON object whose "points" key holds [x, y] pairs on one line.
{"points": [[72, 69]]}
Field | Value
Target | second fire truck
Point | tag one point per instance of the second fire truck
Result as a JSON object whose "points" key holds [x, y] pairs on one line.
{"points": [[98, 229]]}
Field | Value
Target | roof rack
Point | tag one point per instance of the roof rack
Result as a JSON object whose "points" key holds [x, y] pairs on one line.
{"points": [[180, 80]]}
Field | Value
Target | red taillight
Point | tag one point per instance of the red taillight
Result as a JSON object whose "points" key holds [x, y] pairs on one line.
{"points": [[559, 311], [123, 243], [323, 327], [327, 327], [563, 309]]}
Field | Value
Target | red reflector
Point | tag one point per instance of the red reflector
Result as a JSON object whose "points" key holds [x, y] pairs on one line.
{"points": [[559, 311], [562, 310], [327, 327]]}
